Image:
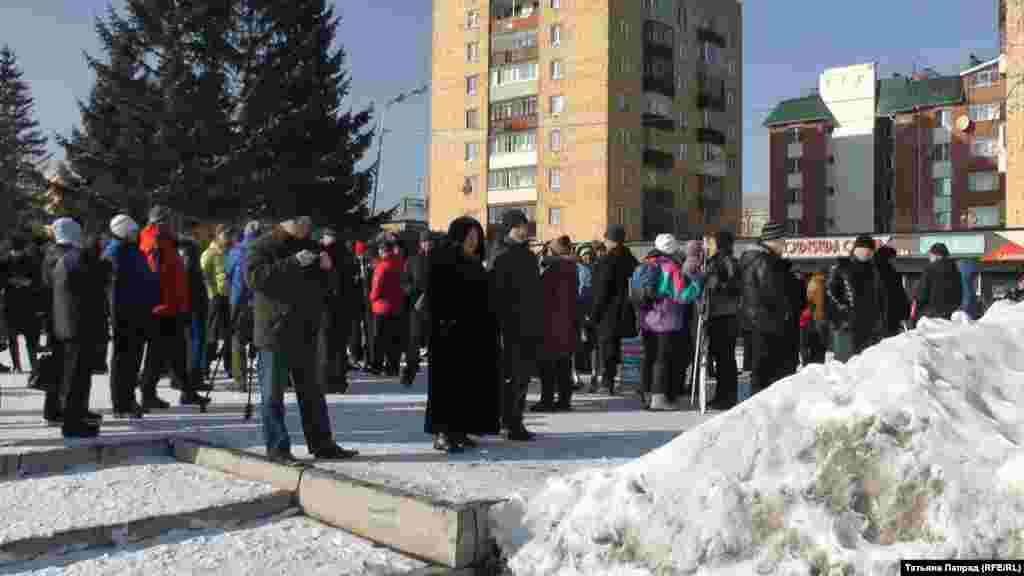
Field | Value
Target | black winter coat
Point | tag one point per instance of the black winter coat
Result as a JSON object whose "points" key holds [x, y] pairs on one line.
{"points": [[856, 300], [78, 294], [939, 293], [613, 313], [518, 298], [22, 297], [188, 249], [722, 285], [770, 301], [288, 299], [897, 302]]}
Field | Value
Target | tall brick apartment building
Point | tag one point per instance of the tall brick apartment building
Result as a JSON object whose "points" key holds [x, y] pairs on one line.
{"points": [[584, 113], [900, 154]]}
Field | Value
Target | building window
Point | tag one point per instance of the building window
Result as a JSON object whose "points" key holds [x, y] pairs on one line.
{"points": [[984, 78], [557, 104], [511, 178], [472, 19], [982, 181], [556, 140], [469, 184], [946, 119], [730, 98], [983, 112], [624, 29], [555, 216], [472, 151], [830, 222], [792, 195], [556, 34], [556, 69], [683, 150], [984, 148], [682, 51], [624, 66], [731, 163], [793, 225], [732, 132], [515, 73], [684, 120], [555, 178], [472, 119], [556, 4], [792, 136], [732, 67], [622, 103], [940, 152], [471, 84], [830, 191], [943, 201], [986, 216], [473, 52], [792, 165], [513, 143], [710, 53]]}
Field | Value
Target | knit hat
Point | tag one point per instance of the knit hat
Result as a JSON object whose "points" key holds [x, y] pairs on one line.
{"points": [[360, 248], [939, 249], [159, 214], [123, 227], [666, 244], [773, 231], [864, 241], [513, 219], [67, 231], [616, 233]]}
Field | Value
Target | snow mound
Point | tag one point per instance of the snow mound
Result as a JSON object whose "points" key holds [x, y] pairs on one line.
{"points": [[912, 449]]}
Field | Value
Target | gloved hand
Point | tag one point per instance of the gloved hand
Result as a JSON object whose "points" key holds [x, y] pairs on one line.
{"points": [[306, 258]]}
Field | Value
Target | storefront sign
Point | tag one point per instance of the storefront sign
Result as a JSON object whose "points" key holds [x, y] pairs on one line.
{"points": [[959, 245], [823, 248]]}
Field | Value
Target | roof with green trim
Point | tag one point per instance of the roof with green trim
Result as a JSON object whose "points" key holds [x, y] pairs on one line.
{"points": [[806, 109], [904, 94]]}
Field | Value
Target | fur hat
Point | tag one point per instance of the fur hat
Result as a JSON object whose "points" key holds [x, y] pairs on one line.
{"points": [[666, 244], [123, 227], [67, 231]]}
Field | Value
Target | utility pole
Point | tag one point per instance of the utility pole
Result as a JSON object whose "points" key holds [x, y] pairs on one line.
{"points": [[380, 139]]}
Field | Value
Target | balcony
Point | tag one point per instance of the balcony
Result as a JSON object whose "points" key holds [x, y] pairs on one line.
{"points": [[715, 168], [710, 136], [658, 50], [514, 56], [658, 122], [513, 90], [659, 159], [705, 34], [515, 23], [513, 124], [660, 85]]}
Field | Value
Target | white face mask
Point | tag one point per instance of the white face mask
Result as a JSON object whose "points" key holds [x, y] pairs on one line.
{"points": [[862, 254], [933, 258]]}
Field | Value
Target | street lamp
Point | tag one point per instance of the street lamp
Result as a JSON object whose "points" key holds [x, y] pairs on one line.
{"points": [[380, 137]]}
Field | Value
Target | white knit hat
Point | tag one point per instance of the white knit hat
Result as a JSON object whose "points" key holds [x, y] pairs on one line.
{"points": [[666, 244], [123, 227], [67, 231]]}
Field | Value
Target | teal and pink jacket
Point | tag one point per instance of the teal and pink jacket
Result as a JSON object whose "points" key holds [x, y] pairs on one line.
{"points": [[676, 293]]}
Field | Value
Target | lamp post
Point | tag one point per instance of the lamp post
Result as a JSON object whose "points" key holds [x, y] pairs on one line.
{"points": [[380, 138]]}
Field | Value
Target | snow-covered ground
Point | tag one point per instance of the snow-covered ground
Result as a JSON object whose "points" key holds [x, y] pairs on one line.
{"points": [[86, 497], [295, 545], [910, 450], [384, 421]]}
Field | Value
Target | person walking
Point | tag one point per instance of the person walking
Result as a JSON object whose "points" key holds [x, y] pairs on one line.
{"points": [[769, 308], [361, 341], [464, 340], [388, 304], [241, 303], [133, 290], [287, 276], [583, 362], [165, 347], [722, 293], [517, 301], [612, 316], [415, 280], [897, 302], [21, 302], [940, 290], [77, 305], [558, 278], [856, 300], [214, 270]]}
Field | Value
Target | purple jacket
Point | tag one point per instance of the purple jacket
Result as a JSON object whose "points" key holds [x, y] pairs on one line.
{"points": [[669, 311]]}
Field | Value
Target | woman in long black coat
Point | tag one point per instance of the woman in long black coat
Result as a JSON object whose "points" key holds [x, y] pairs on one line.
{"points": [[462, 393]]}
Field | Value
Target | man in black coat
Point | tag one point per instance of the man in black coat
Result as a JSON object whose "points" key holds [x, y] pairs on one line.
{"points": [[897, 303], [613, 314], [518, 299], [770, 308], [856, 300], [77, 322], [722, 292], [939, 293], [332, 362], [287, 273], [415, 279], [20, 275]]}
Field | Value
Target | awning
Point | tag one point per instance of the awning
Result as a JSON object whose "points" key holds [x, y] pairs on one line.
{"points": [[1009, 252]]}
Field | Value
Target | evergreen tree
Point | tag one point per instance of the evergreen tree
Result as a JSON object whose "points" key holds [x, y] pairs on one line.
{"points": [[22, 145], [300, 148]]}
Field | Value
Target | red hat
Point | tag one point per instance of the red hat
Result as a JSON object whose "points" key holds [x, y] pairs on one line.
{"points": [[360, 248]]}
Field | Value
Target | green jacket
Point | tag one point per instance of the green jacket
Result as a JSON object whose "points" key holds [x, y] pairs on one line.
{"points": [[214, 274]]}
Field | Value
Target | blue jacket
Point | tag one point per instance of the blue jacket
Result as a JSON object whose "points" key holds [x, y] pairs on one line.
{"points": [[968, 276], [235, 264], [133, 288]]}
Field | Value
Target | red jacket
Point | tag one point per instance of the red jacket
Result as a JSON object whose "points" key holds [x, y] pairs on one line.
{"points": [[386, 295], [162, 254], [560, 332]]}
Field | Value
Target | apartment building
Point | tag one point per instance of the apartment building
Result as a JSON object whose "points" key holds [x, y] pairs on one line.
{"points": [[1011, 66], [584, 113], [900, 154]]}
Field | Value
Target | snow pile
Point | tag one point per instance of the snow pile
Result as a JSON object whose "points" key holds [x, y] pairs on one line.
{"points": [[910, 450]]}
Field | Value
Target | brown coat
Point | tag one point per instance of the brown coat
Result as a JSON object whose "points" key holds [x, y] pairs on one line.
{"points": [[816, 295]]}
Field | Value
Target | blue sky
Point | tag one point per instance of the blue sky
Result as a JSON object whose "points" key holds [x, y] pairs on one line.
{"points": [[787, 43]]}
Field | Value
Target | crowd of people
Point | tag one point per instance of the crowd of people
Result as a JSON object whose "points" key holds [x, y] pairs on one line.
{"points": [[489, 317]]}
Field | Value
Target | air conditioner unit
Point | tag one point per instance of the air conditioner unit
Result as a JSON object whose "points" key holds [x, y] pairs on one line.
{"points": [[1003, 65]]}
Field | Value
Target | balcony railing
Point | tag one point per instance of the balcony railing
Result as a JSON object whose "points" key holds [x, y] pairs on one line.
{"points": [[659, 50], [709, 35], [513, 124], [514, 56], [710, 136], [658, 122], [660, 85], [515, 24], [658, 159]]}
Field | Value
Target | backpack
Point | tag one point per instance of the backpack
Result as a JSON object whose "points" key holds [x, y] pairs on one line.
{"points": [[643, 284]]}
